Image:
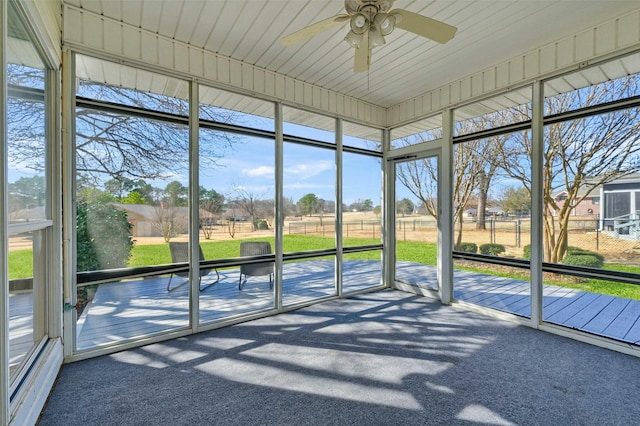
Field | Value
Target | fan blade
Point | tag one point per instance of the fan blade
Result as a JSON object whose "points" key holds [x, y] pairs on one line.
{"points": [[423, 26], [314, 29], [362, 55]]}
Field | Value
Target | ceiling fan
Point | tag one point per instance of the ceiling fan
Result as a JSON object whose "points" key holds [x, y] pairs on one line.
{"points": [[370, 21]]}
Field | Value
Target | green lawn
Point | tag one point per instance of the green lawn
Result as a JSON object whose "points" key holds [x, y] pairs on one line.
{"points": [[21, 261], [20, 264]]}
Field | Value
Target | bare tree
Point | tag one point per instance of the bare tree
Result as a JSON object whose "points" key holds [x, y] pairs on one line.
{"points": [[247, 201], [580, 154], [165, 220], [110, 144]]}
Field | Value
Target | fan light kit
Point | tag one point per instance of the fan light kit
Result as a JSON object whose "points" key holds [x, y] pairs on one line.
{"points": [[370, 21]]}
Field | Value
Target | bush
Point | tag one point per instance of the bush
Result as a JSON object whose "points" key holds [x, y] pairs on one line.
{"points": [[526, 252], [583, 260], [261, 224], [103, 237], [492, 249], [469, 247], [577, 251]]}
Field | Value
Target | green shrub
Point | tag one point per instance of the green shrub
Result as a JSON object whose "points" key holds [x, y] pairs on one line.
{"points": [[582, 252], [526, 251], [261, 224], [583, 260], [103, 237], [492, 249], [469, 247]]}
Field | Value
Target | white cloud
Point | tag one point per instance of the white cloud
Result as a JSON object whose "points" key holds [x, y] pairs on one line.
{"points": [[305, 171], [261, 171]]}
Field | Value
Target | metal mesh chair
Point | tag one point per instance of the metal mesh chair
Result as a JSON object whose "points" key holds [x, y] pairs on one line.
{"points": [[180, 253], [255, 248]]}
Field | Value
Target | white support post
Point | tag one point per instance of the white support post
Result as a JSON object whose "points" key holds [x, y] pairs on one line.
{"points": [[445, 210], [388, 230], [537, 203], [68, 202], [279, 212], [194, 205], [4, 289], [338, 213], [55, 300]]}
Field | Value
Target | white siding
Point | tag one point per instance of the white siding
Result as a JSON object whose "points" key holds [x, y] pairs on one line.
{"points": [[618, 35], [91, 33]]}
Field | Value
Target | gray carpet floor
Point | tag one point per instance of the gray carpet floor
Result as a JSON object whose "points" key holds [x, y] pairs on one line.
{"points": [[385, 358]]}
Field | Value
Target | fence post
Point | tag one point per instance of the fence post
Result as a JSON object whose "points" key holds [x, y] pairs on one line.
{"points": [[492, 231]]}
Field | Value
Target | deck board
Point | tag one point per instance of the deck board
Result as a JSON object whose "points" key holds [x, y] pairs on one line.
{"points": [[135, 308], [606, 316]]}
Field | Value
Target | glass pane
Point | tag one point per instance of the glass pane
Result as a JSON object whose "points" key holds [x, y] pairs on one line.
{"points": [[26, 295], [591, 180], [26, 188], [236, 189], [26, 143], [361, 270], [132, 186], [497, 287], [426, 130], [225, 298], [416, 222], [361, 194], [219, 106], [595, 85], [492, 216], [107, 81], [510, 108], [308, 125], [308, 279], [309, 192], [237, 207], [359, 136], [606, 308]]}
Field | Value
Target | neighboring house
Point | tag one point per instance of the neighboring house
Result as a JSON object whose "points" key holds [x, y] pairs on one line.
{"points": [[27, 215], [146, 219], [616, 203], [621, 205], [235, 215], [590, 205]]}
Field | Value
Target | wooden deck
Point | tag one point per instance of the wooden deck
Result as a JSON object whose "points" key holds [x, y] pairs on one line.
{"points": [[131, 309], [20, 327]]}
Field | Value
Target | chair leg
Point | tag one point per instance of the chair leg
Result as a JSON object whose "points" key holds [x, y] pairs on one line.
{"points": [[240, 282], [271, 281], [169, 289], [210, 284]]}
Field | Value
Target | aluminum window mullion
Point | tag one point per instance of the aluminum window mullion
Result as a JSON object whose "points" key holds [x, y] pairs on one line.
{"points": [[338, 219], [537, 203], [445, 210], [279, 198], [194, 205]]}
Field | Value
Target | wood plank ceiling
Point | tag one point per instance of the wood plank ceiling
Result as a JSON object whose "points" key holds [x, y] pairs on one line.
{"points": [[407, 65]]}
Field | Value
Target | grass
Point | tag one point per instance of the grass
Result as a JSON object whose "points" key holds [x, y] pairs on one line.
{"points": [[21, 261], [20, 264]]}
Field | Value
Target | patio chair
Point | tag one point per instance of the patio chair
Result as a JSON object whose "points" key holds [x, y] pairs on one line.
{"points": [[180, 253], [255, 248]]}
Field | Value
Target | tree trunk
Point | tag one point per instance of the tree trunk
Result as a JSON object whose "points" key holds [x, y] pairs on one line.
{"points": [[481, 218]]}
